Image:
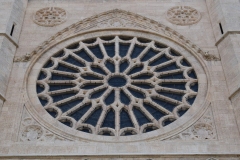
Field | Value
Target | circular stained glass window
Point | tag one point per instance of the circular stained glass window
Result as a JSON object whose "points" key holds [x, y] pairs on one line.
{"points": [[117, 86]]}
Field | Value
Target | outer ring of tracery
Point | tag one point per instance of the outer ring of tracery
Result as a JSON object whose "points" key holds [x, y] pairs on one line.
{"points": [[193, 112]]}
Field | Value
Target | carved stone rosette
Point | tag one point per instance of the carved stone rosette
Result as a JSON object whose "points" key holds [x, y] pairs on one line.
{"points": [[32, 131], [183, 15], [203, 129], [50, 16]]}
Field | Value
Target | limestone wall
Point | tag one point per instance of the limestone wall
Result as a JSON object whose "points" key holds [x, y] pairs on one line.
{"points": [[220, 112]]}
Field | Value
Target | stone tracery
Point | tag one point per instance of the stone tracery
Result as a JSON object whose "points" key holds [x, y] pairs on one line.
{"points": [[117, 86]]}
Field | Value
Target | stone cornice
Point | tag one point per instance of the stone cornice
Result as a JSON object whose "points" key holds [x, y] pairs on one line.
{"points": [[9, 38]]}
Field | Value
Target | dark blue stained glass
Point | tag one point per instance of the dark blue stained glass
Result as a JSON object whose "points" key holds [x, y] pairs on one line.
{"points": [[123, 66], [125, 120], [167, 105], [82, 53], [90, 77], [143, 76], [180, 86], [48, 64], [167, 122], [73, 61], [191, 100], [79, 113], [96, 51], [159, 60], [52, 113], [88, 41], [128, 133], [135, 69], [62, 96], [185, 63], [143, 85], [149, 129], [124, 98], [125, 38], [108, 38], [65, 107], [123, 49], [65, 69], [97, 94], [170, 67], [67, 123], [90, 86], [73, 46], [172, 95], [93, 118], [42, 76], [110, 98], [86, 130], [59, 54], [61, 77], [43, 101], [149, 55], [110, 66], [40, 88], [143, 40], [136, 94], [182, 112], [117, 81], [194, 87], [109, 120], [59, 87], [98, 70], [106, 134], [110, 49], [174, 53], [136, 51], [141, 118], [154, 111], [173, 76], [192, 74], [159, 45]]}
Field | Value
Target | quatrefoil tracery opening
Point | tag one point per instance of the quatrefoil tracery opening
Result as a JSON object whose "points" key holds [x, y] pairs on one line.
{"points": [[117, 86]]}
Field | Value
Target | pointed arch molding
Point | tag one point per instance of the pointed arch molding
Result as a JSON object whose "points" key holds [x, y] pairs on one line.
{"points": [[117, 19]]}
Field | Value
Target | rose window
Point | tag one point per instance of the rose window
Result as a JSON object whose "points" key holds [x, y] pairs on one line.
{"points": [[117, 86]]}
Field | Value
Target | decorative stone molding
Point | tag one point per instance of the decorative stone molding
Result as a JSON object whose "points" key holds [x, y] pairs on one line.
{"points": [[212, 159], [50, 16], [203, 129], [183, 15], [32, 131], [121, 20]]}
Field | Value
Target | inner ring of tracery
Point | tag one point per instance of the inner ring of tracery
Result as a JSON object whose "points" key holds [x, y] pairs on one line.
{"points": [[117, 85]]}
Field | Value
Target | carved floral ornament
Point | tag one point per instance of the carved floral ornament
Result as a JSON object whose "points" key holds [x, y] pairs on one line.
{"points": [[183, 15], [50, 16], [117, 19]]}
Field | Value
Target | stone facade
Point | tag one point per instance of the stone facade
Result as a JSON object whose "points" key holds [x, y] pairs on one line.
{"points": [[205, 33]]}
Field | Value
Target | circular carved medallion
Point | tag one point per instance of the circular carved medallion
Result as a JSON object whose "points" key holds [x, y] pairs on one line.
{"points": [[183, 15], [50, 16], [32, 133]]}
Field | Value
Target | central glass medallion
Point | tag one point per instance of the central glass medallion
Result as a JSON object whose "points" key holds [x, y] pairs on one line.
{"points": [[117, 81]]}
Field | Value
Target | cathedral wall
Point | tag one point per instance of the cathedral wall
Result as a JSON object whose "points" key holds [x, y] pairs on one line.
{"points": [[223, 78]]}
